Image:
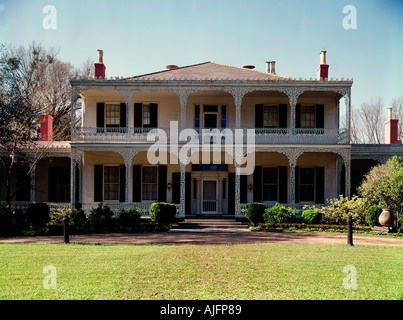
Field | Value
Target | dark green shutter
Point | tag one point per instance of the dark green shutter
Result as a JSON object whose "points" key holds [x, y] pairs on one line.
{"points": [[123, 115], [162, 183], [282, 185], [52, 184], [122, 186], [153, 115], [320, 116], [320, 185], [259, 116], [136, 183], [138, 115], [296, 184], [100, 115], [176, 187], [298, 116], [244, 189], [231, 193], [282, 116], [257, 184], [98, 183]]}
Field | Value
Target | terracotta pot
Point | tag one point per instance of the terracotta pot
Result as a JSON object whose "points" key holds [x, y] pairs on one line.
{"points": [[386, 218]]}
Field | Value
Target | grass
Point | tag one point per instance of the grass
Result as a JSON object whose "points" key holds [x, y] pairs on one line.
{"points": [[247, 271]]}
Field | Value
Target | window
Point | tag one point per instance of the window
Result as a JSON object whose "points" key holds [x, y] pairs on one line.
{"points": [[307, 184], [150, 183], [146, 116], [111, 183], [112, 115], [270, 184], [308, 119], [63, 184], [270, 117]]}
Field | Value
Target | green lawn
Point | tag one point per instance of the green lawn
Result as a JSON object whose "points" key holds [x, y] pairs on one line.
{"points": [[249, 271]]}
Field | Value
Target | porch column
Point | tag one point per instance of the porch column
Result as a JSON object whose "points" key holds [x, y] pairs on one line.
{"points": [[73, 163], [32, 177], [347, 164], [182, 191], [238, 212], [128, 94], [127, 154], [293, 155], [292, 184], [183, 94]]}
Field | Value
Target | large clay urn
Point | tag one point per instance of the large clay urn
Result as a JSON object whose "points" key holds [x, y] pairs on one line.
{"points": [[386, 218]]}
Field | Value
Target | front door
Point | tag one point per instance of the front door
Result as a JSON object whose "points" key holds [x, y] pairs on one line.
{"points": [[210, 202]]}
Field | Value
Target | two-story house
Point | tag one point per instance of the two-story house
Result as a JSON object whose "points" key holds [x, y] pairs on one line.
{"points": [[301, 154]]}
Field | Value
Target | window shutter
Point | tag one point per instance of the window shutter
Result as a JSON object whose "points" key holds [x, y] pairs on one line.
{"points": [[282, 181], [138, 115], [122, 186], [257, 184], [52, 184], [153, 115], [282, 116], [223, 116], [298, 116], [136, 183], [162, 183], [197, 116], [259, 116], [98, 183], [231, 193], [176, 186], [320, 116], [296, 184], [100, 115], [244, 189], [320, 185], [188, 193], [123, 115], [77, 184]]}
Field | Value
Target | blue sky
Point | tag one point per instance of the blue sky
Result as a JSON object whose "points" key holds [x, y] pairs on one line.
{"points": [[142, 36]]}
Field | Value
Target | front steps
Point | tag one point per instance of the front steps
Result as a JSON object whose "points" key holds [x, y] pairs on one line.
{"points": [[211, 224]]}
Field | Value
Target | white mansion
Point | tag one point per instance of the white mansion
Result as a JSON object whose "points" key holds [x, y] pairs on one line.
{"points": [[301, 154]]}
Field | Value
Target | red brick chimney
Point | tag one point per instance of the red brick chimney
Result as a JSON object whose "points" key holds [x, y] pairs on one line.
{"points": [[46, 127], [323, 69], [99, 66], [391, 129]]}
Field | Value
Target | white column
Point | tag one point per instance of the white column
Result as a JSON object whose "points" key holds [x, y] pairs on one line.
{"points": [[32, 177], [73, 179], [182, 191]]}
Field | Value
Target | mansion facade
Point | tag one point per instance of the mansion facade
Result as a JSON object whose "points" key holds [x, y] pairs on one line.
{"points": [[301, 154]]}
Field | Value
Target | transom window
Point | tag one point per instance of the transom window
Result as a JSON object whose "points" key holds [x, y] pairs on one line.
{"points": [[270, 184], [150, 183], [111, 183], [270, 116], [112, 115], [308, 117]]}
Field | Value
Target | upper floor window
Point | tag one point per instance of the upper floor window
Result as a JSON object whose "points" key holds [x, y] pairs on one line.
{"points": [[308, 118], [112, 115], [270, 116], [145, 115], [210, 116]]}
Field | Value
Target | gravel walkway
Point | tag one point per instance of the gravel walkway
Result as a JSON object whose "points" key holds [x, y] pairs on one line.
{"points": [[218, 237]]}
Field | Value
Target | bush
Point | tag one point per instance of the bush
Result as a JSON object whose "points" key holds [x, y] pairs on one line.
{"points": [[279, 214], [101, 217], [129, 218], [311, 216], [7, 227], [338, 210], [254, 212], [163, 213], [78, 218], [57, 216], [372, 216], [38, 215]]}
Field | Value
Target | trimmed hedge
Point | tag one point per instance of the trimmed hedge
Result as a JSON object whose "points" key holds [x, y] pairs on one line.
{"points": [[279, 214], [254, 212], [163, 213], [311, 216], [38, 215]]}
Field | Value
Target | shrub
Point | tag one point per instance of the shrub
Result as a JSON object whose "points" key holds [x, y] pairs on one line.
{"points": [[7, 227], [372, 216], [254, 212], [338, 210], [101, 217], [311, 216], [129, 218], [57, 216], [78, 218], [38, 215], [278, 214], [163, 213]]}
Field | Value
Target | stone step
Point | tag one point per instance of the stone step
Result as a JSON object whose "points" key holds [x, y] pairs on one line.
{"points": [[211, 224]]}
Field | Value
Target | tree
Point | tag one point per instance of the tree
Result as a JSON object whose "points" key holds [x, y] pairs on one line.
{"points": [[383, 186], [397, 113]]}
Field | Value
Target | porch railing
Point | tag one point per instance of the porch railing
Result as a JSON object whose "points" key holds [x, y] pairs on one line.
{"points": [[262, 135]]}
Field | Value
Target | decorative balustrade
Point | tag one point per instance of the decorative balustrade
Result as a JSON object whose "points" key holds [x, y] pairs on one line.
{"points": [[262, 135]]}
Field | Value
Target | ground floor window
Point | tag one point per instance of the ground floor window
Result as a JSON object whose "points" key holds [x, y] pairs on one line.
{"points": [[270, 184], [307, 184], [111, 183], [150, 183]]}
